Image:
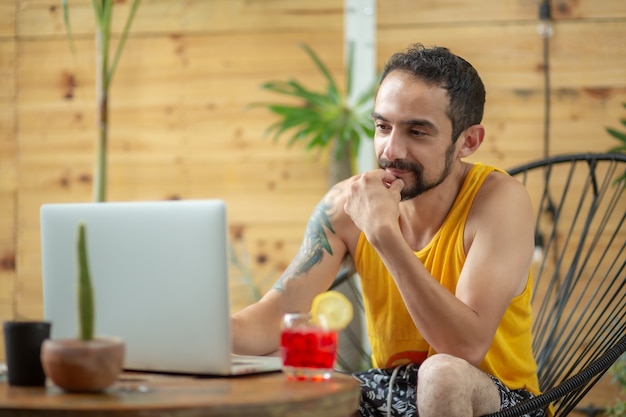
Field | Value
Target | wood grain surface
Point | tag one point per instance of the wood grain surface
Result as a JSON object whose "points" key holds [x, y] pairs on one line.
{"points": [[153, 395]]}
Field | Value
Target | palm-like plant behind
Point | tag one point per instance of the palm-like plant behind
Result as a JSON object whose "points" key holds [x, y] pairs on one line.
{"points": [[323, 119]]}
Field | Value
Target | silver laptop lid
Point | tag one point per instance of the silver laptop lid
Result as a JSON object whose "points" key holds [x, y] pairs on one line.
{"points": [[160, 276]]}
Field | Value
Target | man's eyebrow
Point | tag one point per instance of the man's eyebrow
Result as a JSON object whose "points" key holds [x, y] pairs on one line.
{"points": [[413, 122], [378, 116]]}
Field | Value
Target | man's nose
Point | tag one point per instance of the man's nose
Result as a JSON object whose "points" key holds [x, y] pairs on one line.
{"points": [[394, 146]]}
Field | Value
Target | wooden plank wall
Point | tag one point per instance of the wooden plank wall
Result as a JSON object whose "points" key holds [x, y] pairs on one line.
{"points": [[180, 127], [8, 161]]}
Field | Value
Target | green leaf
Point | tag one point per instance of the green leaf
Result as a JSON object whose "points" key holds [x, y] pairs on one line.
{"points": [[621, 136], [103, 10], [68, 26], [86, 309], [349, 69], [295, 89], [98, 8], [366, 97], [332, 86], [120, 45]]}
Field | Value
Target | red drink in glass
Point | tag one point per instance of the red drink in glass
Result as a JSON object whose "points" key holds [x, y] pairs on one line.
{"points": [[308, 352]]}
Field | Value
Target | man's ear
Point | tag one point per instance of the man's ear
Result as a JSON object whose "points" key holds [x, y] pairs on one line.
{"points": [[470, 140]]}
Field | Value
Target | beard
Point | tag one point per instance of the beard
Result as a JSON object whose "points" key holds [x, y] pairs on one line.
{"points": [[420, 183]]}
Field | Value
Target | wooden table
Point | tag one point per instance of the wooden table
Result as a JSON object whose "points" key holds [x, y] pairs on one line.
{"points": [[152, 395]]}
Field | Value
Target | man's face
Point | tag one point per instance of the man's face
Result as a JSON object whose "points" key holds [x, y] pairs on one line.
{"points": [[413, 133]]}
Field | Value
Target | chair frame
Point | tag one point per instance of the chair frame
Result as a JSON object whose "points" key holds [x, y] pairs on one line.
{"points": [[566, 379]]}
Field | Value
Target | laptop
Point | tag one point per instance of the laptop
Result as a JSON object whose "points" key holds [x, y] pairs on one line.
{"points": [[160, 278]]}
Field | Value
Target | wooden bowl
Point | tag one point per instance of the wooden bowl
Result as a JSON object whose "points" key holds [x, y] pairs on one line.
{"points": [[83, 365]]}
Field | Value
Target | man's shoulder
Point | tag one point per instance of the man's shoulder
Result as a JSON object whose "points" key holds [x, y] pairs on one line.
{"points": [[502, 193], [500, 182]]}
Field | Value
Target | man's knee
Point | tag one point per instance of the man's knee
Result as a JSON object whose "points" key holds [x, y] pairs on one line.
{"points": [[441, 375], [442, 369], [442, 388]]}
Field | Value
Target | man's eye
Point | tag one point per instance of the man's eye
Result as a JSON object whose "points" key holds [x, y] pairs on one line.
{"points": [[417, 133]]}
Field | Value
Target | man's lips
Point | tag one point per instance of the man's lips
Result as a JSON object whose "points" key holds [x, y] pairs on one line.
{"points": [[398, 173]]}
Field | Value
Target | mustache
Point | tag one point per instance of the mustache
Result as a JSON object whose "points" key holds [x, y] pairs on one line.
{"points": [[401, 164]]}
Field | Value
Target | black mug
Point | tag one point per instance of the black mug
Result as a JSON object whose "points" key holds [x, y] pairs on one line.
{"points": [[22, 342]]}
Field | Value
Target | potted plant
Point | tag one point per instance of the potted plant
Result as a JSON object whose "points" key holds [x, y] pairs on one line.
{"points": [[324, 119], [328, 120], [85, 363], [103, 11]]}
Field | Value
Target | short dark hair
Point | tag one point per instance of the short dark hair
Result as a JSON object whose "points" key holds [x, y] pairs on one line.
{"points": [[437, 65]]}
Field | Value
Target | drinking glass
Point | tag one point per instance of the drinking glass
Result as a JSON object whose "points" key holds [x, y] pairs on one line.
{"points": [[307, 350]]}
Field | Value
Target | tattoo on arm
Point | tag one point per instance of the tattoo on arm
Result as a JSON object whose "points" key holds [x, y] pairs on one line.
{"points": [[314, 245]]}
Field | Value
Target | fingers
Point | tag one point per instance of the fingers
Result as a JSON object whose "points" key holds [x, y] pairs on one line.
{"points": [[397, 185], [372, 177]]}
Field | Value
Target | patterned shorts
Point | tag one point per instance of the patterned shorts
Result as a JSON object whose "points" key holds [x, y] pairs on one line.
{"points": [[376, 402]]}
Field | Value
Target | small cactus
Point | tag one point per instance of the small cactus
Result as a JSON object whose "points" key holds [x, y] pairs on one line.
{"points": [[85, 289]]}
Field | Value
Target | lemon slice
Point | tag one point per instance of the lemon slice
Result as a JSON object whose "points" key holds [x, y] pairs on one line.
{"points": [[331, 310]]}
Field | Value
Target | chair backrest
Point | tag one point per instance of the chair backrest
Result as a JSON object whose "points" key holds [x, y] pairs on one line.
{"points": [[579, 270]]}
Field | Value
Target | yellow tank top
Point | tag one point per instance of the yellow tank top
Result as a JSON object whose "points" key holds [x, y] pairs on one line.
{"points": [[393, 336]]}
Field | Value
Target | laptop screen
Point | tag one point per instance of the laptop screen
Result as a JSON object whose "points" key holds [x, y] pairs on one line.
{"points": [[160, 278]]}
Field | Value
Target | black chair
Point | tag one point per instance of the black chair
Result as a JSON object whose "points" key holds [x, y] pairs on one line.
{"points": [[579, 297]]}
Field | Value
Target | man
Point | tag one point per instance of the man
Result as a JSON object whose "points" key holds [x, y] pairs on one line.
{"points": [[443, 248]]}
